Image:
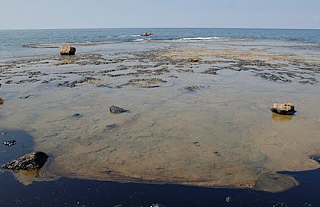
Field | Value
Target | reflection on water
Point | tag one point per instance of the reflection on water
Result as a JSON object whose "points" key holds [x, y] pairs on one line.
{"points": [[219, 135], [281, 118]]}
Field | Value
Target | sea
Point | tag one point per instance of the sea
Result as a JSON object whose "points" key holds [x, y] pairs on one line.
{"points": [[16, 44]]}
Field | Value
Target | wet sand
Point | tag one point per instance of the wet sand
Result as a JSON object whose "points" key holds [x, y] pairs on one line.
{"points": [[199, 112]]}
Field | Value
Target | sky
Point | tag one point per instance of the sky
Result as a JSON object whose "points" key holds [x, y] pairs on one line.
{"points": [[60, 14]]}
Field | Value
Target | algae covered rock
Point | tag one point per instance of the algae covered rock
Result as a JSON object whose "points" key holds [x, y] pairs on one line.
{"points": [[31, 161]]}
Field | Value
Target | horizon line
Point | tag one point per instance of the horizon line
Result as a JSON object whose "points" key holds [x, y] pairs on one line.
{"points": [[79, 28]]}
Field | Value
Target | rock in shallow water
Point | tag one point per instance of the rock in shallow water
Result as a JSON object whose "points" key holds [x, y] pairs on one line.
{"points": [[1, 101], [117, 110], [30, 161], [285, 109], [9, 143], [67, 50]]}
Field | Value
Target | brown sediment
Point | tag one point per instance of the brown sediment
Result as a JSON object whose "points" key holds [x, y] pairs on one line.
{"points": [[222, 135]]}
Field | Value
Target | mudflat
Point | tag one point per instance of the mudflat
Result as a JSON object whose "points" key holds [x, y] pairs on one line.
{"points": [[198, 112]]}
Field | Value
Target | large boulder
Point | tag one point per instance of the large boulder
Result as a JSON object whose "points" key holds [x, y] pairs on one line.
{"points": [[67, 50], [285, 109], [32, 161]]}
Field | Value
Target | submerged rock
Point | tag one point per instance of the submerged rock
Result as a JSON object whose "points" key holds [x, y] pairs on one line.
{"points": [[9, 143], [77, 115], [30, 161], [117, 110], [5, 133], [285, 109], [67, 50], [193, 88]]}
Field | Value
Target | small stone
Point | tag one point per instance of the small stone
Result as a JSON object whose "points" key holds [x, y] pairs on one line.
{"points": [[1, 101], [285, 109], [117, 110], [30, 161], [67, 50], [5, 133], [9, 143], [77, 115]]}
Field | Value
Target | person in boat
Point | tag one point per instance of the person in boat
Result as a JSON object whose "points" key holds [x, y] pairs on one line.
{"points": [[146, 34]]}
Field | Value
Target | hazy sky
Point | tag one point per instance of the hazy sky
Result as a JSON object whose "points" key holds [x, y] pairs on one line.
{"points": [[22, 14]]}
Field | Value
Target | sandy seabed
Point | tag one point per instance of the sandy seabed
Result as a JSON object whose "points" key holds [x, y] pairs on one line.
{"points": [[199, 112]]}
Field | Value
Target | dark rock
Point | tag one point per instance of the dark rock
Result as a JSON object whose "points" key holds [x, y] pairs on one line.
{"points": [[9, 82], [77, 115], [103, 85], [117, 110], [1, 101], [67, 50], [28, 81], [25, 97], [30, 161], [316, 158], [285, 109], [210, 71], [9, 143], [193, 88], [77, 82], [193, 60]]}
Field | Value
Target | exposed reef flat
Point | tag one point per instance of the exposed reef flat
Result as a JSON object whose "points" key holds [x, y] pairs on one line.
{"points": [[200, 112]]}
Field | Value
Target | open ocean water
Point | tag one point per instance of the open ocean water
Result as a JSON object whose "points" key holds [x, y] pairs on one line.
{"points": [[12, 41], [15, 44]]}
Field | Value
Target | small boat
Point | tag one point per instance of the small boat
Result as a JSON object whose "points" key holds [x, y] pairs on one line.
{"points": [[147, 34]]}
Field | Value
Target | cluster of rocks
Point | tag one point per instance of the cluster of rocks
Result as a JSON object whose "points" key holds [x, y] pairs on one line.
{"points": [[9, 143]]}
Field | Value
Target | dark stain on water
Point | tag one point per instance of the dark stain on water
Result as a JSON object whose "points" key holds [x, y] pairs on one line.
{"points": [[86, 193]]}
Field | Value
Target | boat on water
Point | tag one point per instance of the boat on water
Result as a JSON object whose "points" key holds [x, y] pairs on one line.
{"points": [[146, 34]]}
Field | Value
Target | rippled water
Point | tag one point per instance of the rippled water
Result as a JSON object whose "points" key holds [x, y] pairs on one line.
{"points": [[221, 134], [11, 41]]}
